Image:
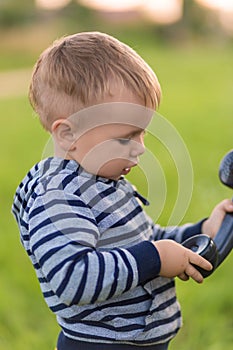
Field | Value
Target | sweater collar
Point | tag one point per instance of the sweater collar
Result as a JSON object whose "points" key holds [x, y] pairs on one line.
{"points": [[53, 165]]}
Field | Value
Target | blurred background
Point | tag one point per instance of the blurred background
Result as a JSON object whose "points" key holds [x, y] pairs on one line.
{"points": [[189, 44]]}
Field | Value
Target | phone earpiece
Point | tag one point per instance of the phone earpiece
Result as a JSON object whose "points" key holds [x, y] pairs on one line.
{"points": [[204, 246]]}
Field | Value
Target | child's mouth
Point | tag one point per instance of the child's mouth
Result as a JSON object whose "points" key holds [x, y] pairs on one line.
{"points": [[126, 171]]}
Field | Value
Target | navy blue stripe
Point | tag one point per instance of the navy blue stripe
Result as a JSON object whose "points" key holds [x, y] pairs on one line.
{"points": [[127, 328], [163, 321], [72, 203], [127, 218], [58, 307], [23, 223], [59, 266], [51, 252], [21, 184], [141, 198], [77, 192], [46, 165], [15, 209], [36, 167], [102, 216], [36, 211], [60, 167], [68, 275], [29, 178], [95, 200], [84, 336], [79, 292], [37, 228], [156, 339], [66, 231], [19, 201], [48, 294], [116, 274], [37, 266], [106, 326], [166, 286], [164, 305], [46, 239], [99, 284], [127, 302], [42, 280], [56, 218], [24, 238], [67, 180], [111, 209], [129, 267], [126, 316]]}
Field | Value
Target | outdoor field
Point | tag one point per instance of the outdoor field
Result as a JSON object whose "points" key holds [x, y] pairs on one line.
{"points": [[197, 84]]}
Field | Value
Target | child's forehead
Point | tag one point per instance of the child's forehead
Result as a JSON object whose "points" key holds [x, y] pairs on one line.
{"points": [[115, 113]]}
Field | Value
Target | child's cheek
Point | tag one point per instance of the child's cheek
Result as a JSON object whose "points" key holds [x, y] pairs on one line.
{"points": [[103, 153]]}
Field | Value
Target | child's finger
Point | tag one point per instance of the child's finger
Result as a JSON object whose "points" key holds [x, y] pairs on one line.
{"points": [[183, 277], [229, 205], [194, 274], [225, 206], [200, 261]]}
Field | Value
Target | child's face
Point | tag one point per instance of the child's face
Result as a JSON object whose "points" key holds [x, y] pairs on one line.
{"points": [[109, 137], [110, 150]]}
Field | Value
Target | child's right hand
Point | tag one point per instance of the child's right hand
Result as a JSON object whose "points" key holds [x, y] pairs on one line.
{"points": [[177, 260]]}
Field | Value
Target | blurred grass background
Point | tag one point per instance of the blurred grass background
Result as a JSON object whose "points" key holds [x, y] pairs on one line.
{"points": [[197, 81]]}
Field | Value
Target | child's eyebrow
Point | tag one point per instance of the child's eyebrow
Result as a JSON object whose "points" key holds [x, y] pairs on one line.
{"points": [[133, 133]]}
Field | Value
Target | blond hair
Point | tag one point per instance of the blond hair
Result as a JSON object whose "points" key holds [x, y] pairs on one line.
{"points": [[77, 72]]}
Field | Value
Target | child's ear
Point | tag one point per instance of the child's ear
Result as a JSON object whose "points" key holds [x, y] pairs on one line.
{"points": [[63, 134]]}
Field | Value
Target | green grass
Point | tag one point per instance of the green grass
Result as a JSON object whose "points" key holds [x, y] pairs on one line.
{"points": [[197, 99]]}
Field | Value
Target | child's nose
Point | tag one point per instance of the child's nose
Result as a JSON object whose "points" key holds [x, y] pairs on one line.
{"points": [[138, 148]]}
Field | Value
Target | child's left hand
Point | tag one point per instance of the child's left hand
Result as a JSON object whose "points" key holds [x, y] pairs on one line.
{"points": [[211, 226]]}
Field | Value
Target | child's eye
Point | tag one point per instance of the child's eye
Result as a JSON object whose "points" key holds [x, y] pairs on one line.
{"points": [[123, 141]]}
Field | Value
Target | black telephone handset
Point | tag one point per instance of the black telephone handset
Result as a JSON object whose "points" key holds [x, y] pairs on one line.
{"points": [[219, 248]]}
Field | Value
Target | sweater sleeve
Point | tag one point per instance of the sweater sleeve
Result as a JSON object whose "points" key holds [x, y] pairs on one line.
{"points": [[63, 240], [177, 233]]}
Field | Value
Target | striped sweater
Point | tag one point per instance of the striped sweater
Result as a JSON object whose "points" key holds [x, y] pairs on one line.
{"points": [[89, 241]]}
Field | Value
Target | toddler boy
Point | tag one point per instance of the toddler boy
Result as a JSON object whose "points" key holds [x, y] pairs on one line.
{"points": [[105, 269]]}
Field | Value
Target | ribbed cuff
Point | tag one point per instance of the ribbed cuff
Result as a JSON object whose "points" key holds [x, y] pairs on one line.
{"points": [[148, 260]]}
